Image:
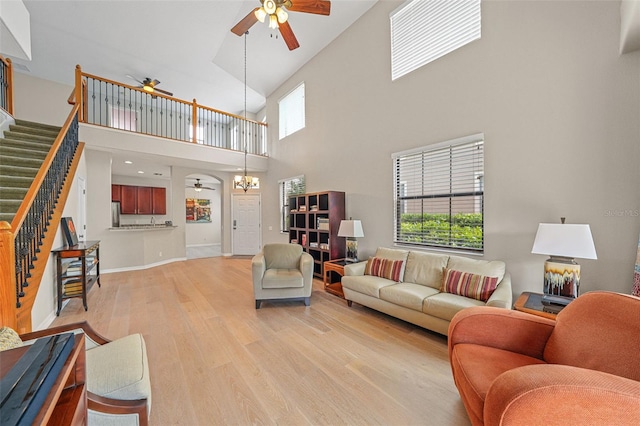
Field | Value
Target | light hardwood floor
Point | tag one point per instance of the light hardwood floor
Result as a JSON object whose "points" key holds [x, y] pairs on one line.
{"points": [[215, 359]]}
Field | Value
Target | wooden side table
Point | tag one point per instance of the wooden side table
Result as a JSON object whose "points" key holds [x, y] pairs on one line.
{"points": [[337, 266], [532, 303]]}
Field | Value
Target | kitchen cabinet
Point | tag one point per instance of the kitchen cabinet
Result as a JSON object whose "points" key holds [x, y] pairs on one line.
{"points": [[140, 199]]}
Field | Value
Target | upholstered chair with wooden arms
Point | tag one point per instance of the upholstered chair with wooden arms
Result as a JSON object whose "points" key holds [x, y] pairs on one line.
{"points": [[117, 375], [282, 271], [514, 368]]}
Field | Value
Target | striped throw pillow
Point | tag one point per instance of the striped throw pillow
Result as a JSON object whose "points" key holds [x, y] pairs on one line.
{"points": [[470, 285], [384, 268]]}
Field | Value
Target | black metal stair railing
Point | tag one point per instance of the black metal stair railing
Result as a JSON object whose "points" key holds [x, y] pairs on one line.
{"points": [[6, 85], [29, 236]]}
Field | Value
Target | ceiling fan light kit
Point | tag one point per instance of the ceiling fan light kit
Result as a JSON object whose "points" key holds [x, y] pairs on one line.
{"points": [[278, 17]]}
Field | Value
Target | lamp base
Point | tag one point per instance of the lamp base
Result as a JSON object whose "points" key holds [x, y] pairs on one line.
{"points": [[561, 277], [352, 250]]}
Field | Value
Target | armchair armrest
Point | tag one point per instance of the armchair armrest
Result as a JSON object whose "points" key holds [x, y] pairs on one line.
{"points": [[258, 267], [89, 332], [116, 407], [355, 268], [561, 394], [500, 328], [502, 297]]}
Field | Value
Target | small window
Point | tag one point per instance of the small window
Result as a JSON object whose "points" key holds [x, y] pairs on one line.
{"points": [[287, 188], [292, 115], [425, 30], [439, 195]]}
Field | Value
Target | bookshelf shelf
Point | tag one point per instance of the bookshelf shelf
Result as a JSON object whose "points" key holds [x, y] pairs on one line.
{"points": [[77, 269], [314, 220]]}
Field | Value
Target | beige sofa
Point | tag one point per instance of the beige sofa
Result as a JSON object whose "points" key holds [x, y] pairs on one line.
{"points": [[417, 297]]}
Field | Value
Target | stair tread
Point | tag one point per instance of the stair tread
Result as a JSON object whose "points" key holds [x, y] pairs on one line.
{"points": [[28, 123], [21, 143], [33, 130], [44, 139], [13, 151]]}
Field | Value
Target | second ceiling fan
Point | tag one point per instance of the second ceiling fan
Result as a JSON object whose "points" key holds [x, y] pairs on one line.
{"points": [[274, 11]]}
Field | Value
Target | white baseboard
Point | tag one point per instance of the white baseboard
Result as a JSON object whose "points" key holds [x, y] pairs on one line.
{"points": [[203, 245], [46, 323], [138, 268]]}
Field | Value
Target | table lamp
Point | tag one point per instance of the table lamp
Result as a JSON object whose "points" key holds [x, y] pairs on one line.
{"points": [[351, 229], [563, 242]]}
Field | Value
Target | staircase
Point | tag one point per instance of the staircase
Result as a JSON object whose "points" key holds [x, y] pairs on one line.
{"points": [[22, 150]]}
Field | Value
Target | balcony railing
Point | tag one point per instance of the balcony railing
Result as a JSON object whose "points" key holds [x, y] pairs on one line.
{"points": [[6, 84], [121, 106]]}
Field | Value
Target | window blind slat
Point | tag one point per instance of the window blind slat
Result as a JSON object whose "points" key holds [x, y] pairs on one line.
{"points": [[425, 30]]}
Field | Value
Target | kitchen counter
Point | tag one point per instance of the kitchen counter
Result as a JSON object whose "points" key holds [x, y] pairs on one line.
{"points": [[143, 227]]}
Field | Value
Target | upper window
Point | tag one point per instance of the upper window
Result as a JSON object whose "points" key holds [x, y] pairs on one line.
{"points": [[424, 30], [287, 188], [291, 107], [439, 195]]}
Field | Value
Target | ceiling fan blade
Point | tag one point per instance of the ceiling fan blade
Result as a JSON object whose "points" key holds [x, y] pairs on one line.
{"points": [[246, 23], [134, 79], [318, 7], [155, 89], [288, 36], [155, 82]]}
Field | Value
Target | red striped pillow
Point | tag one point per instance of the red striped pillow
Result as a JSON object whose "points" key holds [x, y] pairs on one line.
{"points": [[467, 284], [384, 268]]}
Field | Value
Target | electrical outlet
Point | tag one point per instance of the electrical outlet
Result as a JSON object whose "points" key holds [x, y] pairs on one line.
{"points": [[160, 254], [271, 228]]}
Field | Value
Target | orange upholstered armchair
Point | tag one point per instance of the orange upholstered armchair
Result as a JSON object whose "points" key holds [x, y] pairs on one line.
{"points": [[514, 368]]}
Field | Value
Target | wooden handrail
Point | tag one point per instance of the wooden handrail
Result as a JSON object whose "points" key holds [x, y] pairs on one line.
{"points": [[21, 214], [7, 62], [8, 316]]}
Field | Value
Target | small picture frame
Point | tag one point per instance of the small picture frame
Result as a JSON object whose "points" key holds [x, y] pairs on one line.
{"points": [[69, 231]]}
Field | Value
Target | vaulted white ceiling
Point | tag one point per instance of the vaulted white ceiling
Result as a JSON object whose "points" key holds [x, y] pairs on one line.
{"points": [[185, 44]]}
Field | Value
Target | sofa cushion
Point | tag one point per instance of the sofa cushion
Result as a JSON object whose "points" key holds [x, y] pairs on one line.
{"points": [[425, 269], [282, 256], [408, 295], [446, 305], [476, 374], [282, 278], [366, 284], [394, 254], [119, 369], [493, 268], [384, 268], [467, 284]]}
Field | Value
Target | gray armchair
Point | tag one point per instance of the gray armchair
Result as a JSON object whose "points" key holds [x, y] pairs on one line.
{"points": [[282, 271]]}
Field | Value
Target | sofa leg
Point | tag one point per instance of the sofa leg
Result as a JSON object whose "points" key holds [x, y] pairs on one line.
{"points": [[349, 303], [258, 304], [307, 301]]}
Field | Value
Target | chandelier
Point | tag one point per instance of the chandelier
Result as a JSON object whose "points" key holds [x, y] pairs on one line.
{"points": [[246, 182], [274, 10]]}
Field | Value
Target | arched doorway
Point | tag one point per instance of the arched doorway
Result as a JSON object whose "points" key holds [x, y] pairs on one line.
{"points": [[203, 232]]}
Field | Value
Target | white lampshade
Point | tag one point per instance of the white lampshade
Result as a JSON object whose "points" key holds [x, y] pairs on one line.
{"points": [[351, 228], [567, 240]]}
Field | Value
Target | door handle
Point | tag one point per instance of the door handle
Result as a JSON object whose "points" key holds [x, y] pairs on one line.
{"points": [[234, 224]]}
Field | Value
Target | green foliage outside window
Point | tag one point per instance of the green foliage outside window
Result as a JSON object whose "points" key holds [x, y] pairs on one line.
{"points": [[463, 230]]}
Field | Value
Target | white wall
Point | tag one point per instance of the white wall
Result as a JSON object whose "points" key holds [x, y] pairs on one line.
{"points": [[558, 105]]}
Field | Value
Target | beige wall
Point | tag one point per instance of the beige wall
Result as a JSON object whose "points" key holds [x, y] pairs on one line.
{"points": [[559, 108]]}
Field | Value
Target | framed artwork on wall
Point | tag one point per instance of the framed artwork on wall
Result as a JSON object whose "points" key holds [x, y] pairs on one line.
{"points": [[198, 210], [69, 231]]}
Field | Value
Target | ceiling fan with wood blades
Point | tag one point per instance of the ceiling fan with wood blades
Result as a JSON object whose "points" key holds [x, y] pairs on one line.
{"points": [[274, 12], [149, 85], [197, 186]]}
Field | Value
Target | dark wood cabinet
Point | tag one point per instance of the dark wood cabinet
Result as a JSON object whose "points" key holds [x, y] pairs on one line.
{"points": [[159, 200], [140, 199], [128, 199], [115, 193], [144, 200], [314, 220]]}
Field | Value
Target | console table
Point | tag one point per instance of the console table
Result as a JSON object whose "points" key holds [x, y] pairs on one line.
{"points": [[78, 267]]}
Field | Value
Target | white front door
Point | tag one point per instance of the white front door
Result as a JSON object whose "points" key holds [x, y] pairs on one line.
{"points": [[245, 224]]}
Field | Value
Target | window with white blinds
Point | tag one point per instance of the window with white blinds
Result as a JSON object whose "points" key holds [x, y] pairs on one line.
{"points": [[439, 195], [292, 112], [424, 30], [286, 188]]}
